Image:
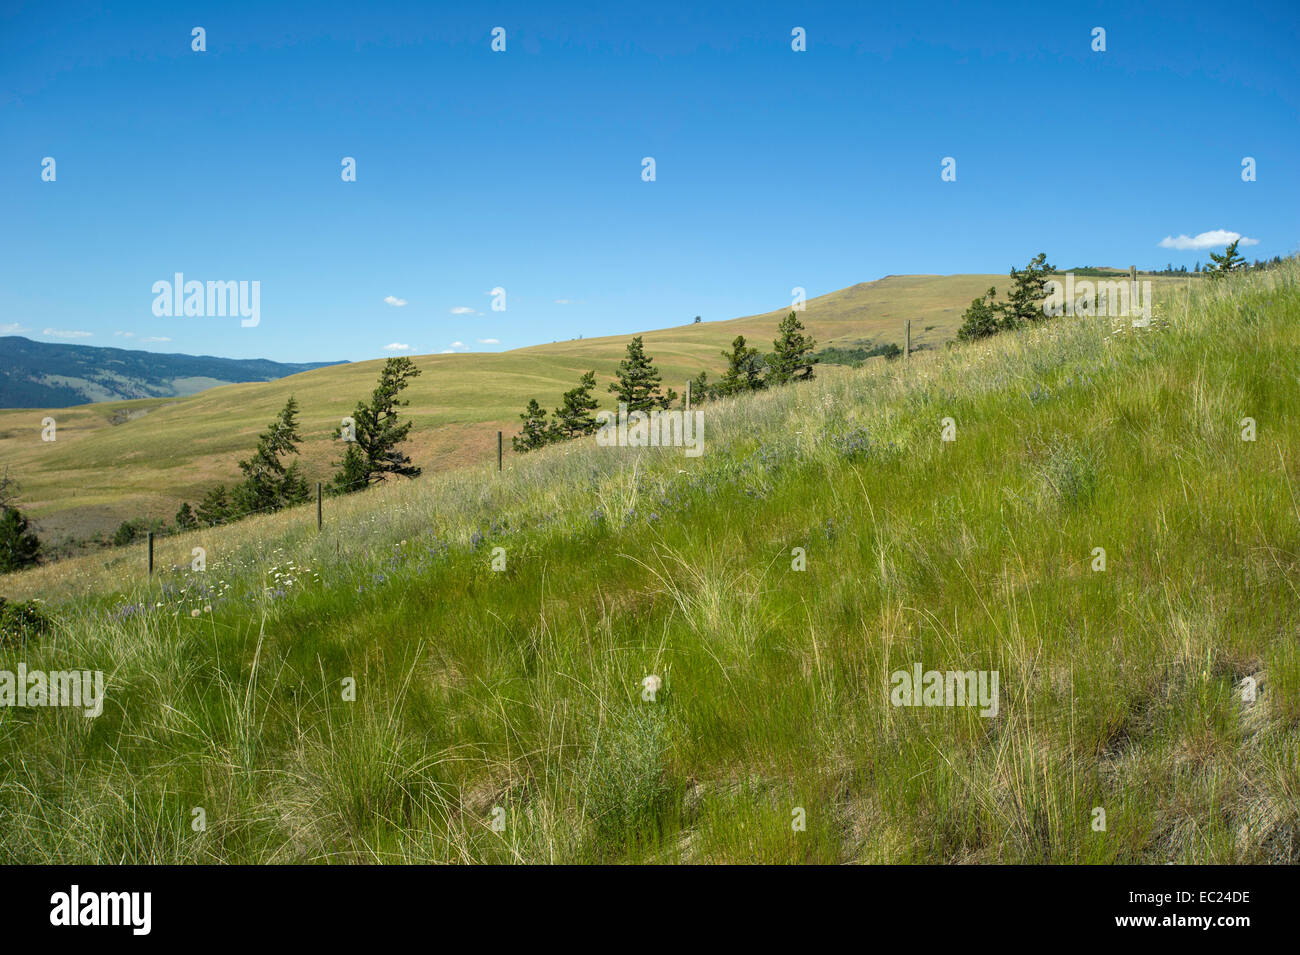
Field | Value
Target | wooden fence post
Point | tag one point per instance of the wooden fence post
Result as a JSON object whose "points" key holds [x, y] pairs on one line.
{"points": [[907, 348], [319, 515], [151, 553], [500, 446]]}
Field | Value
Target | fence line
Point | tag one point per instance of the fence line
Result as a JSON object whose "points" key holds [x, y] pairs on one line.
{"points": [[320, 509], [320, 491], [151, 536]]}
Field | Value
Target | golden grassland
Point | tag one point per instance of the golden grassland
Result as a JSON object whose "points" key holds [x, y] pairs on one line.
{"points": [[99, 473]]}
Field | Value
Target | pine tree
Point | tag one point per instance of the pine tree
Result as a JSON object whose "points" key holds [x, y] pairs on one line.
{"points": [[638, 379], [129, 531], [981, 319], [374, 455], [535, 433], [19, 547], [351, 475], [293, 488], [8, 490], [185, 519], [215, 508], [267, 484], [744, 369], [791, 358], [1228, 262], [574, 416], [1028, 289], [701, 390]]}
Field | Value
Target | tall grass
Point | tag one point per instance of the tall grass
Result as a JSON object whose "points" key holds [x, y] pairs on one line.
{"points": [[514, 697]]}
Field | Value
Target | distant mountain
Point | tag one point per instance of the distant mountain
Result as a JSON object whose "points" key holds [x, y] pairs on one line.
{"points": [[50, 375]]}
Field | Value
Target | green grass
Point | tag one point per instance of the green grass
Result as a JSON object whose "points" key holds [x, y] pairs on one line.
{"points": [[521, 690]]}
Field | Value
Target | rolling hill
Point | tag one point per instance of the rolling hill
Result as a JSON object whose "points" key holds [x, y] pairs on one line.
{"points": [[118, 460], [452, 670]]}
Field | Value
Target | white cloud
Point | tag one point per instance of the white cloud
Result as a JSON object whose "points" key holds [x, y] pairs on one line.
{"points": [[446, 351], [12, 328], [397, 346], [124, 334], [394, 301], [1205, 240], [487, 341], [464, 310], [562, 301], [456, 345], [66, 333], [156, 338]]}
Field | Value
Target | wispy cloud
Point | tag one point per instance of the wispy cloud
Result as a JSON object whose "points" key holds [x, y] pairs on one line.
{"points": [[563, 301], [394, 301], [13, 328], [124, 334], [66, 333], [464, 310], [1205, 240], [397, 346], [487, 341], [456, 345], [156, 338]]}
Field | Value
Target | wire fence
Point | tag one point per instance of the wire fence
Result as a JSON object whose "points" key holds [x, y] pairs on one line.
{"points": [[335, 489]]}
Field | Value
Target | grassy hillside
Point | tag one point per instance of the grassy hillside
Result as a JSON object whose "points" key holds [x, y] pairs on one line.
{"points": [[118, 460], [521, 689]]}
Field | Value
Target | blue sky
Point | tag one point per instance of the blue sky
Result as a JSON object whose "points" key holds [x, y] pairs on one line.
{"points": [[523, 169]]}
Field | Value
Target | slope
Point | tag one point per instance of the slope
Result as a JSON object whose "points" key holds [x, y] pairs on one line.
{"points": [[379, 692], [118, 460]]}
